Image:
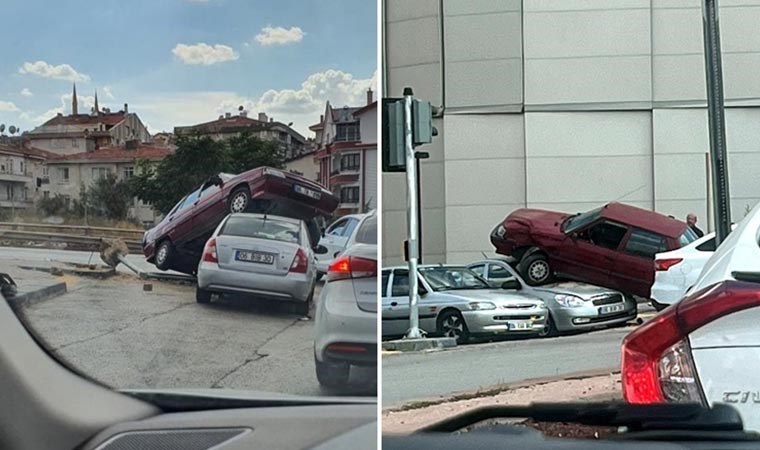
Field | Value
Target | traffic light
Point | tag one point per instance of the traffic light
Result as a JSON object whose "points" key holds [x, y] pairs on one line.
{"points": [[393, 117]]}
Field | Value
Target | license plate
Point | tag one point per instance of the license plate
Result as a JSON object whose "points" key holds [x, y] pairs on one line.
{"points": [[308, 192], [254, 257], [522, 325], [609, 309]]}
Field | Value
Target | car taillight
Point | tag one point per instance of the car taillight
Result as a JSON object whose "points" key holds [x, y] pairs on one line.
{"points": [[665, 264], [209, 251], [351, 267], [657, 365], [300, 263]]}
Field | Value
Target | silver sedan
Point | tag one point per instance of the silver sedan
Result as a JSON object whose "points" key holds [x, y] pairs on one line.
{"points": [[259, 255], [456, 302], [572, 306]]}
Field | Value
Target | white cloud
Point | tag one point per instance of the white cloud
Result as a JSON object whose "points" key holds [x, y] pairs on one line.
{"points": [[8, 106], [202, 53], [108, 92], [279, 36], [59, 72], [26, 92]]}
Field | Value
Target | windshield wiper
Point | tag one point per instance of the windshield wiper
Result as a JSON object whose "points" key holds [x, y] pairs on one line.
{"points": [[683, 421]]}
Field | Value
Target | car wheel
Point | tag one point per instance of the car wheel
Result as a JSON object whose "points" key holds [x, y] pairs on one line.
{"points": [[239, 200], [535, 269], [303, 308], [164, 255], [452, 324], [332, 375], [320, 275], [550, 330], [202, 296]]}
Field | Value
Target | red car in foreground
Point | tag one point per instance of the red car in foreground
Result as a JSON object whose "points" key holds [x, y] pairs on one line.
{"points": [[611, 246], [177, 241]]}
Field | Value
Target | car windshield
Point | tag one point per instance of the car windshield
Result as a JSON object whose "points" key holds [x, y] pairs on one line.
{"points": [[453, 278], [367, 232], [580, 220], [270, 228]]}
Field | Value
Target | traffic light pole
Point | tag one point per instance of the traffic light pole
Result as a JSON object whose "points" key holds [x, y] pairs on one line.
{"points": [[414, 331], [717, 120]]}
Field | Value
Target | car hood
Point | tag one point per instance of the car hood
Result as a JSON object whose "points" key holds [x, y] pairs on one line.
{"points": [[582, 290], [492, 295]]}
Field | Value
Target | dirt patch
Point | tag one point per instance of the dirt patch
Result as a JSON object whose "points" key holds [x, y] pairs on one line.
{"points": [[597, 388]]}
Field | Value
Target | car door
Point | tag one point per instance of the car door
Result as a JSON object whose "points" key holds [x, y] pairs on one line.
{"points": [[589, 254], [181, 220], [209, 209], [633, 270]]}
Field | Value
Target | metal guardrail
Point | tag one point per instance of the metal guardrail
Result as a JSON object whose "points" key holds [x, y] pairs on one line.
{"points": [[88, 242], [75, 230]]}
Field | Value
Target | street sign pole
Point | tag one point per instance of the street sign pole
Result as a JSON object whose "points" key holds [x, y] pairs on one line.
{"points": [[717, 121], [411, 214]]}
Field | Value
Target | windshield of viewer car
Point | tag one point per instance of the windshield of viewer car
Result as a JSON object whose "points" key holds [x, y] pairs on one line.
{"points": [[262, 228], [450, 278]]}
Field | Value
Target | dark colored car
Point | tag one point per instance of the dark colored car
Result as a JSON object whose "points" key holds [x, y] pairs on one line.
{"points": [[611, 246], [177, 241]]}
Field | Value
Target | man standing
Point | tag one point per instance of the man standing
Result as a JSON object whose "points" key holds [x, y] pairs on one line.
{"points": [[691, 220]]}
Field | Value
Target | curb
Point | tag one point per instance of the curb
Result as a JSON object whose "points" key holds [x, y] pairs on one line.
{"points": [[37, 296], [418, 345]]}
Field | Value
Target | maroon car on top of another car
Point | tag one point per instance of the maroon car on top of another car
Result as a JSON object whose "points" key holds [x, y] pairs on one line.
{"points": [[611, 246], [177, 241]]}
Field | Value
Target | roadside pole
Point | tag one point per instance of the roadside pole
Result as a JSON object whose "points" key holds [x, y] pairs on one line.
{"points": [[411, 214], [717, 121]]}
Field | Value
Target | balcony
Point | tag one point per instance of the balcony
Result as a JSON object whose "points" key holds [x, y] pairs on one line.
{"points": [[342, 177], [17, 204], [16, 177]]}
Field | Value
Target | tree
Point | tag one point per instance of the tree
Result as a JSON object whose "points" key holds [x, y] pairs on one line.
{"points": [[197, 158], [109, 197]]}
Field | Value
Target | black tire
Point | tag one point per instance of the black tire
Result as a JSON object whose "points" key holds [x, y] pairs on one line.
{"points": [[164, 255], [452, 324], [202, 296], [535, 269], [303, 308], [550, 330], [332, 375], [320, 275], [239, 201]]}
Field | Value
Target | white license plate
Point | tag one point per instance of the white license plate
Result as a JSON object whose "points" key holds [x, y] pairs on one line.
{"points": [[521, 325], [254, 257], [609, 309], [308, 192]]}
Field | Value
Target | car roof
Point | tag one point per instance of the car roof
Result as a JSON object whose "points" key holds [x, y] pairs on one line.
{"points": [[268, 217], [644, 219]]}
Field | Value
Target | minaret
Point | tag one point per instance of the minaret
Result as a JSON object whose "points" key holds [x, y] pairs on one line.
{"points": [[74, 106], [97, 110]]}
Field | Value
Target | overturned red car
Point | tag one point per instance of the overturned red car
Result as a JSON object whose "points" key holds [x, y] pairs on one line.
{"points": [[611, 246], [177, 242]]}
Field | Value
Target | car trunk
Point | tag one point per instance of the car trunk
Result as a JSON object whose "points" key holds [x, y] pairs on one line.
{"points": [[254, 255], [726, 356], [365, 289]]}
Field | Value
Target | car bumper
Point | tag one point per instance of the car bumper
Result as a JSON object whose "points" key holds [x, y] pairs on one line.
{"points": [[500, 321], [323, 265], [588, 317], [666, 293], [342, 331], [291, 287]]}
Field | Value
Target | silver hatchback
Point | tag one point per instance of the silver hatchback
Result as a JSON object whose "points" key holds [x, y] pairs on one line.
{"points": [[259, 255]]}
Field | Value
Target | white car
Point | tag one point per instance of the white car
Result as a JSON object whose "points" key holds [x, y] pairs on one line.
{"points": [[706, 348], [345, 320], [340, 235], [677, 270]]}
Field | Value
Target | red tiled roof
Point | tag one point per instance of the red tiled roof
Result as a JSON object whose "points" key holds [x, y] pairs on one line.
{"points": [[29, 152], [143, 151], [86, 119]]}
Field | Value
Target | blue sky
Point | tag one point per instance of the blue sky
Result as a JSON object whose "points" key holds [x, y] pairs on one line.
{"points": [[180, 62]]}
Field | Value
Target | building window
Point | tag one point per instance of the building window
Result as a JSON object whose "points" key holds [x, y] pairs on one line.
{"points": [[64, 174], [45, 171], [45, 194], [128, 172], [100, 172], [350, 162], [21, 166], [349, 194], [348, 132]]}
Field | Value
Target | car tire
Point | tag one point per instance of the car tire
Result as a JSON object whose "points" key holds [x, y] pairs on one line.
{"points": [[535, 269], [202, 296], [319, 276], [550, 330], [240, 200], [303, 308], [164, 255], [452, 324], [332, 375]]}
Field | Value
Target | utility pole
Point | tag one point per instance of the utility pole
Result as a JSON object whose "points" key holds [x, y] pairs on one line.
{"points": [[412, 215], [717, 121], [418, 156]]}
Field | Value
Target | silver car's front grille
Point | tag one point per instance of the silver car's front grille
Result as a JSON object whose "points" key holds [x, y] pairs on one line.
{"points": [[607, 299], [519, 306]]}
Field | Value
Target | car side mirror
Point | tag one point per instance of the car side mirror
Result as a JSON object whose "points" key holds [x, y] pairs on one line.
{"points": [[320, 249], [511, 284]]}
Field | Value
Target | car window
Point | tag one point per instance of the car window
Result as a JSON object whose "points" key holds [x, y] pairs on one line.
{"points": [[336, 229], [480, 269], [263, 228], [707, 246], [645, 244], [349, 228], [177, 206], [209, 190], [367, 232], [190, 199], [452, 278], [384, 283], [580, 220], [498, 272], [400, 287], [687, 237], [604, 234]]}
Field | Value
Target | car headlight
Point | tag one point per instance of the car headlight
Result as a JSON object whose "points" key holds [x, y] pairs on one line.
{"points": [[569, 301], [482, 306], [501, 231]]}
